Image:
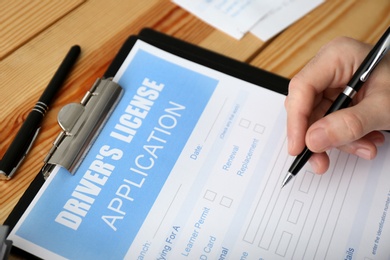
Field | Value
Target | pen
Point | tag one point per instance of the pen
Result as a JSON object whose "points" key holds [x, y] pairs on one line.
{"points": [[31, 126], [343, 100]]}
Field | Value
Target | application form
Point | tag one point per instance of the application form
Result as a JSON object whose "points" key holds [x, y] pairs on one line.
{"points": [[190, 166]]}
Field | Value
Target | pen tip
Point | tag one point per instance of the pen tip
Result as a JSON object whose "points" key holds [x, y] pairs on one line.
{"points": [[287, 179]]}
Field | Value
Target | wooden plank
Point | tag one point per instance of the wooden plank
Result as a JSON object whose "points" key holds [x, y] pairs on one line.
{"points": [[362, 20], [21, 20]]}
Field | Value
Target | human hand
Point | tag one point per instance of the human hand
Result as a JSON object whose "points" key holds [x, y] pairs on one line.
{"points": [[354, 129]]}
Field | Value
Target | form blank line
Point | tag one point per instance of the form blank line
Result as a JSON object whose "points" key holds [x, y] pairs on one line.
{"points": [[249, 236], [166, 212], [306, 182], [295, 212], [216, 118], [284, 244], [342, 204]]}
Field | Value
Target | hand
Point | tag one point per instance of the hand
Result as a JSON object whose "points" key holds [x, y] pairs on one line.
{"points": [[354, 129]]}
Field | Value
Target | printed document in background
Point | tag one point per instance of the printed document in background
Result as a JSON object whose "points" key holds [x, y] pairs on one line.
{"points": [[263, 18], [288, 12], [234, 17], [190, 166]]}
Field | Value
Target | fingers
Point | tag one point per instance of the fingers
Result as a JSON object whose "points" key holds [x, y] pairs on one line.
{"points": [[314, 89], [348, 125], [365, 148], [308, 88], [319, 162]]}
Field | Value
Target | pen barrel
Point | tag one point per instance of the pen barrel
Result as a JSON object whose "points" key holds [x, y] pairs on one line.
{"points": [[21, 143], [342, 101], [60, 76], [371, 61], [300, 161]]}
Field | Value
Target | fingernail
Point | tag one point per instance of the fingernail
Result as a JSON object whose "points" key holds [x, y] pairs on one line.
{"points": [[364, 153], [314, 165], [378, 141], [318, 139]]}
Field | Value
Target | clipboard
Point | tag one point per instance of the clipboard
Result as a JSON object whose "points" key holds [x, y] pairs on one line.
{"points": [[182, 49]]}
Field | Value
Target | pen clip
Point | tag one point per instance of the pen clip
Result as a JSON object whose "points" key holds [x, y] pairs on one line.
{"points": [[385, 46]]}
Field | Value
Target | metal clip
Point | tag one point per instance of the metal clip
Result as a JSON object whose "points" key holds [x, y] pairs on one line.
{"points": [[81, 123]]}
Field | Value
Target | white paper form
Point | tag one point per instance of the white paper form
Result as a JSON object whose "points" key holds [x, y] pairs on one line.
{"points": [[263, 18], [221, 196], [284, 14], [234, 17]]}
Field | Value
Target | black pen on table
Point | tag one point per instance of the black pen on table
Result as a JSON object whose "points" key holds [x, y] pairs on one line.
{"points": [[343, 100], [28, 132]]}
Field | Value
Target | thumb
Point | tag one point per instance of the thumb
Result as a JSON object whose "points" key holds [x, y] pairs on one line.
{"points": [[342, 127]]}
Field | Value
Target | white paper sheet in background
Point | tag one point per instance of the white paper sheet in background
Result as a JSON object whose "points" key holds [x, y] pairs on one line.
{"points": [[264, 18], [234, 17], [284, 15]]}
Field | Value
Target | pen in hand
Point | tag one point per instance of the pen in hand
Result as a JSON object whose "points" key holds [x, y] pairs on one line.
{"points": [[31, 126], [344, 98]]}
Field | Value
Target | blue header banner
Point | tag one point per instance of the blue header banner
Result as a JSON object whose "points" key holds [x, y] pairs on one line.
{"points": [[105, 203]]}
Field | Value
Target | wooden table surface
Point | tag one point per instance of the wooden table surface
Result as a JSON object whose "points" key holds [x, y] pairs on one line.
{"points": [[35, 36]]}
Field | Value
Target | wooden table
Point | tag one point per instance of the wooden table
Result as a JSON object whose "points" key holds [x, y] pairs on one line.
{"points": [[35, 36]]}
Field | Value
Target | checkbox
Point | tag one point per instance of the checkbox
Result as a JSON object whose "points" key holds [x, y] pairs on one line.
{"points": [[259, 129], [226, 202], [245, 123], [210, 195]]}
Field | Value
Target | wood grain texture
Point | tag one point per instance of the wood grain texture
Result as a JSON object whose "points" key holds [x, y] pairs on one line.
{"points": [[21, 20], [100, 28], [363, 20]]}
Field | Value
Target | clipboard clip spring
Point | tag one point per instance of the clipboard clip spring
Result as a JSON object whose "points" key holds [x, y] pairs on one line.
{"points": [[81, 123]]}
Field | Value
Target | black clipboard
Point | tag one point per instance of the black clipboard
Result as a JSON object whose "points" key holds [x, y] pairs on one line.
{"points": [[182, 49]]}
